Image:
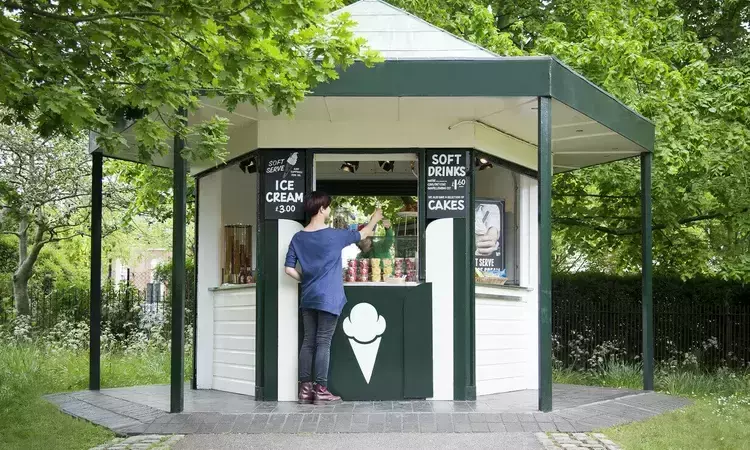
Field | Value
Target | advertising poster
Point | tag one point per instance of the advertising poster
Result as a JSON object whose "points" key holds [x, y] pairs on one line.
{"points": [[489, 254], [284, 184]]}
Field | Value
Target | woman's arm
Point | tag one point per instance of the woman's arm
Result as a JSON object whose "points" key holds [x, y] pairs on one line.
{"points": [[384, 246], [292, 272], [369, 229]]}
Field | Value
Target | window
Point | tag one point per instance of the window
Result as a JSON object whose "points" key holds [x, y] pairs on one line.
{"points": [[496, 219]]}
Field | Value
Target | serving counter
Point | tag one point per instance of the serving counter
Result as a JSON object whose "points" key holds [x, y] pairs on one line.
{"points": [[382, 348]]}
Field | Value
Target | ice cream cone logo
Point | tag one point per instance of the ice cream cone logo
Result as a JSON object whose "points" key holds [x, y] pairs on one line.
{"points": [[290, 163], [364, 327]]}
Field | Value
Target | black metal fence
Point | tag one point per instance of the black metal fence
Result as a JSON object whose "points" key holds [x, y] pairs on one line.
{"points": [[121, 301], [698, 323]]}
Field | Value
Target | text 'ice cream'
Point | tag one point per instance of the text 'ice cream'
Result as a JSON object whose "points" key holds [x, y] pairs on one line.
{"points": [[364, 328]]}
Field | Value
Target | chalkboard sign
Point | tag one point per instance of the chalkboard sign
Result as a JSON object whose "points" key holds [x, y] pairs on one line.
{"points": [[447, 184], [284, 184]]}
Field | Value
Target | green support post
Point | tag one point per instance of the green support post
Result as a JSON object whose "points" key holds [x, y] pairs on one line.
{"points": [[646, 281], [177, 378], [544, 150], [95, 304]]}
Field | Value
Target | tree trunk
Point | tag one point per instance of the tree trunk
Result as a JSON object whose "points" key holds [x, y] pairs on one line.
{"points": [[21, 295], [26, 260]]}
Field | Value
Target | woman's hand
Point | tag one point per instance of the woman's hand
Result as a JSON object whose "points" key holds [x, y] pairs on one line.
{"points": [[386, 223], [487, 243], [377, 216], [292, 272]]}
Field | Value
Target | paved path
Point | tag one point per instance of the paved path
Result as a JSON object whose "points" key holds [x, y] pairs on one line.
{"points": [[133, 411], [367, 441], [539, 441]]}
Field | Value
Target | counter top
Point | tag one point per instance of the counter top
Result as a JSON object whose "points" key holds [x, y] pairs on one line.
{"points": [[500, 292], [381, 284], [231, 287], [504, 286]]}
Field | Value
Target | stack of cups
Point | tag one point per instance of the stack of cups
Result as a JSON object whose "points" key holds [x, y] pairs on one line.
{"points": [[398, 268], [387, 268], [411, 269], [363, 274], [375, 272], [351, 271]]}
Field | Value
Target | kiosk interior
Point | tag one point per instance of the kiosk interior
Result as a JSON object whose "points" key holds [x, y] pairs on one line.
{"points": [[382, 347]]}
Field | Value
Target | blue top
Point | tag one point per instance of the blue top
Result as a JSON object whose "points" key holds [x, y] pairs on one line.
{"points": [[319, 254]]}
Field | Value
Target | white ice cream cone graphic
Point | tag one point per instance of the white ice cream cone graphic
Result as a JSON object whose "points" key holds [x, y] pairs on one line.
{"points": [[364, 327], [290, 163]]}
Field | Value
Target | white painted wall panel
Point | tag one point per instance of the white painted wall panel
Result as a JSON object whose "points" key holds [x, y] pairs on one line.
{"points": [[209, 275], [439, 272], [507, 342], [234, 345], [231, 313], [288, 317], [234, 328], [234, 385]]}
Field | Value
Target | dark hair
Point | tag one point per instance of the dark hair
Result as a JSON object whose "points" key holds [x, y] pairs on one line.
{"points": [[316, 200]]}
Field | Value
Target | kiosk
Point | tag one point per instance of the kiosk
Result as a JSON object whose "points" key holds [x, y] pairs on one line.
{"points": [[473, 139]]}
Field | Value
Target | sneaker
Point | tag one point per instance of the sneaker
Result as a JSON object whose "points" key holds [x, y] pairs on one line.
{"points": [[324, 397], [306, 395]]}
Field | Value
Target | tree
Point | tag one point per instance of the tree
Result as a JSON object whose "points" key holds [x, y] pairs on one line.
{"points": [[67, 67], [648, 55], [643, 53], [44, 197]]}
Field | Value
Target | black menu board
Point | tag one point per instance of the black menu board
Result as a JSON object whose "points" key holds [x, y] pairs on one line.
{"points": [[284, 184], [447, 184]]}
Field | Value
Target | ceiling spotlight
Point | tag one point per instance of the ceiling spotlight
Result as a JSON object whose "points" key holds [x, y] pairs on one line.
{"points": [[350, 166], [248, 166], [386, 165], [482, 163]]}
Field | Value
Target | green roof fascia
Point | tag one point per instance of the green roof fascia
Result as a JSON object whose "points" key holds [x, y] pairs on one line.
{"points": [[501, 77], [571, 88]]}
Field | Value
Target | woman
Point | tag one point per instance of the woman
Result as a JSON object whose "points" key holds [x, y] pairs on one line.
{"points": [[381, 249], [317, 249]]}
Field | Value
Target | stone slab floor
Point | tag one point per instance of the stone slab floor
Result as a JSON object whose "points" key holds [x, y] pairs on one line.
{"points": [[144, 410]]}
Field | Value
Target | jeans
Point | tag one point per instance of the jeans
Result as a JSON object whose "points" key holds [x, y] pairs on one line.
{"points": [[318, 332]]}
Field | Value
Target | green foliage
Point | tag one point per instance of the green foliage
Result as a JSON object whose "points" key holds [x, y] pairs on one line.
{"points": [[89, 65], [150, 190], [643, 54], [686, 383], [721, 423], [471, 20], [27, 371], [648, 55]]}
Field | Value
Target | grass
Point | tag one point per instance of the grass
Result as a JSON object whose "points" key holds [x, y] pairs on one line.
{"points": [[27, 372], [719, 418], [709, 423]]}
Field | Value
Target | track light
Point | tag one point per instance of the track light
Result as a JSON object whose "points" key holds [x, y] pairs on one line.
{"points": [[248, 166], [482, 163], [350, 166], [387, 166]]}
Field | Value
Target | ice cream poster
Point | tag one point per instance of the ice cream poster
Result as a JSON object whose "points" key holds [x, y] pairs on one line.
{"points": [[284, 182], [489, 250]]}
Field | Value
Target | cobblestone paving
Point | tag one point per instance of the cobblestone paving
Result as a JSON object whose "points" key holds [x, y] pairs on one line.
{"points": [[134, 411], [576, 441], [142, 442]]}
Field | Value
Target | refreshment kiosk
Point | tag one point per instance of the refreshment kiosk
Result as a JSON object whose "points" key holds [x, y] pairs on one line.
{"points": [[461, 145]]}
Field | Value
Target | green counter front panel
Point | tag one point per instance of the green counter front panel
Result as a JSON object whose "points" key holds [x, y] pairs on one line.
{"points": [[398, 361]]}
